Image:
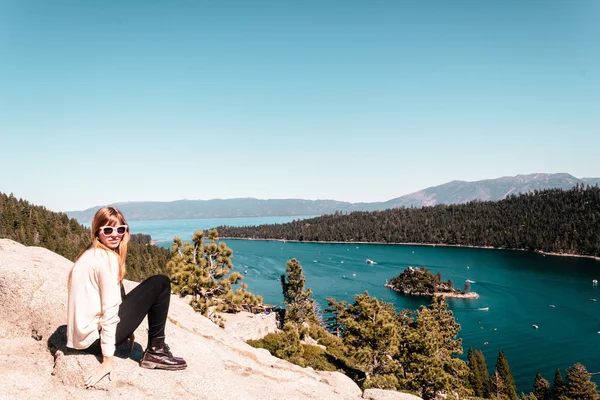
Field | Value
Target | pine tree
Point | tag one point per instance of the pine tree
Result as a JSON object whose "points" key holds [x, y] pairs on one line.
{"points": [[301, 305], [203, 270], [475, 380], [372, 337], [579, 386], [291, 348], [541, 388], [497, 387], [483, 373], [559, 387], [334, 311], [242, 297], [505, 374], [530, 396], [478, 377], [428, 353]]}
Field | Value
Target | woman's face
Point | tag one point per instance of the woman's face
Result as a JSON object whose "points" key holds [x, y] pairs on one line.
{"points": [[111, 240]]}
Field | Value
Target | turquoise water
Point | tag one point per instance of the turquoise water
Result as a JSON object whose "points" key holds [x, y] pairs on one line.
{"points": [[165, 230], [517, 288]]}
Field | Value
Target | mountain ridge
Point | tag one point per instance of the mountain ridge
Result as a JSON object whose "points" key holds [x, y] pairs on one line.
{"points": [[453, 192]]}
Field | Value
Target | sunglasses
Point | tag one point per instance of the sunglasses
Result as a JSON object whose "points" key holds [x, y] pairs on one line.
{"points": [[108, 230]]}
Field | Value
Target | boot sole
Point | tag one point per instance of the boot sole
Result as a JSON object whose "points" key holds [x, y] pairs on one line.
{"points": [[153, 365]]}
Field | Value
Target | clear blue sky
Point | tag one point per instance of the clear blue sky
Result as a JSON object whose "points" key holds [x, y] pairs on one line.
{"points": [[110, 101]]}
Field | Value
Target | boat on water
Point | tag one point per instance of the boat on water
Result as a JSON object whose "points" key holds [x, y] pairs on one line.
{"points": [[535, 326], [552, 306], [470, 281], [593, 300], [369, 261], [595, 282], [483, 309]]}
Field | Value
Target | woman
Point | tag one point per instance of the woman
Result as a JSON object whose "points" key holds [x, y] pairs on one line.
{"points": [[100, 315]]}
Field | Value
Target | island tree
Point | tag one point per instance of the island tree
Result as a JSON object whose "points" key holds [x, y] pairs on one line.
{"points": [[420, 281]]}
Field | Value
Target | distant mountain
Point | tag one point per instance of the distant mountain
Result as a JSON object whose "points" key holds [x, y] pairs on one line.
{"points": [[458, 192], [218, 208], [455, 192]]}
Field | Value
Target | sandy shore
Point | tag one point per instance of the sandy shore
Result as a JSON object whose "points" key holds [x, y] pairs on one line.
{"points": [[418, 244], [470, 295], [565, 255]]}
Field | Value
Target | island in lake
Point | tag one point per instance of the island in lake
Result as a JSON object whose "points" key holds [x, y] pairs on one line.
{"points": [[421, 282]]}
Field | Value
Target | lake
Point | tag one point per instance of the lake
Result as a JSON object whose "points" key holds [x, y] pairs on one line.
{"points": [[519, 289]]}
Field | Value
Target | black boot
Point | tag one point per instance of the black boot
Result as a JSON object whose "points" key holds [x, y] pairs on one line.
{"points": [[158, 355]]}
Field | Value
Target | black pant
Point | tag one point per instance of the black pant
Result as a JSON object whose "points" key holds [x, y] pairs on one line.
{"points": [[151, 298]]}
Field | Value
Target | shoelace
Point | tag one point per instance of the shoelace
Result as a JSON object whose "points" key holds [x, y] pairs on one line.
{"points": [[168, 351]]}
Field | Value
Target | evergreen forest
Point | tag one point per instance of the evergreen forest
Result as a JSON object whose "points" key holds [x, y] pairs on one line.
{"points": [[33, 225], [553, 220]]}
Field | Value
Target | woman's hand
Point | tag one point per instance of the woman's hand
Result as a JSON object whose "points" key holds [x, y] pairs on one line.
{"points": [[106, 368], [131, 342]]}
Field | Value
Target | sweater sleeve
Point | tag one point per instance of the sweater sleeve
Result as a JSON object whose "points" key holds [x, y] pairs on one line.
{"points": [[110, 297]]}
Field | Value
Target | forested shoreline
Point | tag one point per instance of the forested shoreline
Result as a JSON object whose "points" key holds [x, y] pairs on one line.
{"points": [[551, 221], [33, 225]]}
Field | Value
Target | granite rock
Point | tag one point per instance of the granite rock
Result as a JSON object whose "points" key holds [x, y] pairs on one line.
{"points": [[35, 362]]}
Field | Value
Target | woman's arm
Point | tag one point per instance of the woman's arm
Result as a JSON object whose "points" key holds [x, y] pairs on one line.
{"points": [[107, 270], [110, 297]]}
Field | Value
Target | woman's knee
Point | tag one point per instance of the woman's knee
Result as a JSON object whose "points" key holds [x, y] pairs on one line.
{"points": [[160, 280]]}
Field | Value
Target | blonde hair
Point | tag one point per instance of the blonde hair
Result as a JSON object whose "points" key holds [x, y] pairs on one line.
{"points": [[107, 216]]}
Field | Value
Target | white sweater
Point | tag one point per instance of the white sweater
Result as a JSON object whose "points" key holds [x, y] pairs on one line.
{"points": [[94, 299]]}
